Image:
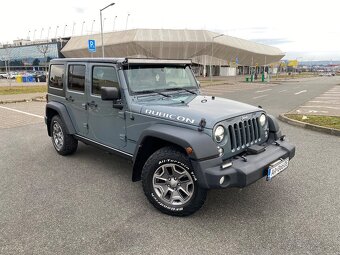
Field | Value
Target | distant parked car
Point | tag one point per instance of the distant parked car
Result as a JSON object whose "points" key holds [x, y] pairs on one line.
{"points": [[3, 75]]}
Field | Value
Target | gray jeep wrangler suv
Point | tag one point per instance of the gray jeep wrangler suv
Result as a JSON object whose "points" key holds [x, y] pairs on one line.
{"points": [[151, 111]]}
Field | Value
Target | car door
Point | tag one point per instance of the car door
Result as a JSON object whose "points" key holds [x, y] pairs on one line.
{"points": [[106, 123], [75, 95]]}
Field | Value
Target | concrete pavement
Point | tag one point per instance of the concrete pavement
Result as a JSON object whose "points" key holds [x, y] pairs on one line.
{"points": [[87, 204]]}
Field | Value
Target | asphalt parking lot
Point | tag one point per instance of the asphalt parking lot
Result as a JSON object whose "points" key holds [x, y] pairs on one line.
{"points": [[87, 204]]}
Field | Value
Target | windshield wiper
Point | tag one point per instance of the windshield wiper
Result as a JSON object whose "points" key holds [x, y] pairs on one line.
{"points": [[187, 90], [152, 91]]}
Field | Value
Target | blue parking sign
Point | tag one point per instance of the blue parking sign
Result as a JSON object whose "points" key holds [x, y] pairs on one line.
{"points": [[92, 45]]}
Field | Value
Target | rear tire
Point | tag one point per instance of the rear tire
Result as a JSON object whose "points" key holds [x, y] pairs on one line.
{"points": [[170, 184], [63, 143]]}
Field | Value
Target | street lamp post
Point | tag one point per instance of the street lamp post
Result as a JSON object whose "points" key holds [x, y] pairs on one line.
{"points": [[101, 26], [48, 33], [82, 28], [56, 32], [64, 30], [92, 26], [42, 30], [114, 24], [212, 54], [34, 34], [74, 24], [127, 19]]}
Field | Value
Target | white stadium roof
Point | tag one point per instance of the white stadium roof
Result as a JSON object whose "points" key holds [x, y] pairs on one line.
{"points": [[176, 44]]}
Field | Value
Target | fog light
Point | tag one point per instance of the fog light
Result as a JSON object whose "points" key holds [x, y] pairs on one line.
{"points": [[220, 151], [222, 180]]}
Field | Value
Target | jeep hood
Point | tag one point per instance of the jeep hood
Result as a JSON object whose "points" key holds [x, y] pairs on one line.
{"points": [[191, 109]]}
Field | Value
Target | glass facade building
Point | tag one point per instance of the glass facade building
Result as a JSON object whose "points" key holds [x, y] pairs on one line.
{"points": [[29, 55]]}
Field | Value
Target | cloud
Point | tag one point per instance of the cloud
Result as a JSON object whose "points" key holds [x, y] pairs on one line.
{"points": [[79, 10]]}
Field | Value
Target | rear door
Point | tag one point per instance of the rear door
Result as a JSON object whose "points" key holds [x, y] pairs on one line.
{"points": [[106, 124], [75, 95]]}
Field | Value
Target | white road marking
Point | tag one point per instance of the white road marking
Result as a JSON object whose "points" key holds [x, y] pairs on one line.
{"points": [[259, 96], [313, 111], [282, 90], [260, 91], [321, 106], [27, 113], [302, 91], [326, 102]]}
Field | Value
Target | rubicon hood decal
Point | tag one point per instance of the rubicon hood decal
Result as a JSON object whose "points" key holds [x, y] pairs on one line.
{"points": [[170, 116]]}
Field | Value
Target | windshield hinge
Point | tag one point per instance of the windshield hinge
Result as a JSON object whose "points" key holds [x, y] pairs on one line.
{"points": [[122, 115], [202, 124]]}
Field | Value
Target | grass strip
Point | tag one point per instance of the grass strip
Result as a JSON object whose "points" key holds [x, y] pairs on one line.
{"points": [[324, 121], [14, 90]]}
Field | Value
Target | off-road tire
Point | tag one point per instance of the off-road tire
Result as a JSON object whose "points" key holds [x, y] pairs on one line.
{"points": [[69, 145], [168, 156]]}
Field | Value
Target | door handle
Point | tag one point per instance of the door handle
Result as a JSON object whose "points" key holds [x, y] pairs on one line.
{"points": [[70, 98], [92, 104]]}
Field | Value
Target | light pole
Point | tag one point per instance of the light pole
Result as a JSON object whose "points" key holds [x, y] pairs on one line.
{"points": [[56, 32], [64, 30], [82, 28], [28, 34], [92, 26], [48, 33], [104, 23], [41, 33], [34, 34], [101, 26], [114, 24], [212, 54], [127, 19], [74, 23]]}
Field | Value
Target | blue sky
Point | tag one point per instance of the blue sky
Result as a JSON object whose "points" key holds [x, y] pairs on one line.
{"points": [[304, 30]]}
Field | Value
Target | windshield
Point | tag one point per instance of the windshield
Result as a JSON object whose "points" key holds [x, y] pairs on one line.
{"points": [[146, 79]]}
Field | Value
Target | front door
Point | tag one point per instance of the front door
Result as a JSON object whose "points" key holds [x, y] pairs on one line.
{"points": [[106, 124], [76, 97]]}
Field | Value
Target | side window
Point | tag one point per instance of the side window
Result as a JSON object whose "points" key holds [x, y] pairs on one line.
{"points": [[76, 77], [103, 76], [56, 76]]}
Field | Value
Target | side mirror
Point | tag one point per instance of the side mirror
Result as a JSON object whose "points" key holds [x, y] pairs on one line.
{"points": [[110, 93]]}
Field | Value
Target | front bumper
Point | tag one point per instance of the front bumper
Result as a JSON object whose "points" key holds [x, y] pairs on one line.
{"points": [[241, 173]]}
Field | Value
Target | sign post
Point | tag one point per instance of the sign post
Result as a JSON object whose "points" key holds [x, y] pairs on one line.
{"points": [[91, 46]]}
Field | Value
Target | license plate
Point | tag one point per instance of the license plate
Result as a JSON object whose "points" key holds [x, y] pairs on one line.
{"points": [[277, 167]]}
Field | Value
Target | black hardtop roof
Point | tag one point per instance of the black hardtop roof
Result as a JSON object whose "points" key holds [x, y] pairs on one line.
{"points": [[100, 60], [123, 60]]}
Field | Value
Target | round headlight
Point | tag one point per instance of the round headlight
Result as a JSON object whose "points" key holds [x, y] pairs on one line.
{"points": [[263, 119], [219, 134]]}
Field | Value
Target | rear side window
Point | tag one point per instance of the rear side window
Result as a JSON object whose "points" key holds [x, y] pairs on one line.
{"points": [[76, 77], [103, 76], [56, 76]]}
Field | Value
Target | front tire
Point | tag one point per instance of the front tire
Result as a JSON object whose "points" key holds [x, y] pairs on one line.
{"points": [[170, 184], [63, 143]]}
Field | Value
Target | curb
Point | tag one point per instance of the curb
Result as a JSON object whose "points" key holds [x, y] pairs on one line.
{"points": [[329, 131], [25, 100]]}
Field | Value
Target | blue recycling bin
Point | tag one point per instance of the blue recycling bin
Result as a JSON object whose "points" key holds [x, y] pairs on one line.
{"points": [[24, 78], [30, 78]]}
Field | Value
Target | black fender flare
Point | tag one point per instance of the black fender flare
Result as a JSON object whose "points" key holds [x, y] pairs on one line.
{"points": [[274, 128], [203, 146], [63, 113]]}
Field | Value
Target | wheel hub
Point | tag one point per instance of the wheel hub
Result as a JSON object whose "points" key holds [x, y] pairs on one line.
{"points": [[173, 184]]}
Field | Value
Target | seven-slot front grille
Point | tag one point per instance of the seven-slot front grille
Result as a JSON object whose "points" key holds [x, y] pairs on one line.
{"points": [[244, 133]]}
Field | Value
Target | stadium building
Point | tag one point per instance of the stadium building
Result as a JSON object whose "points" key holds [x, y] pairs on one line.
{"points": [[226, 55]]}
